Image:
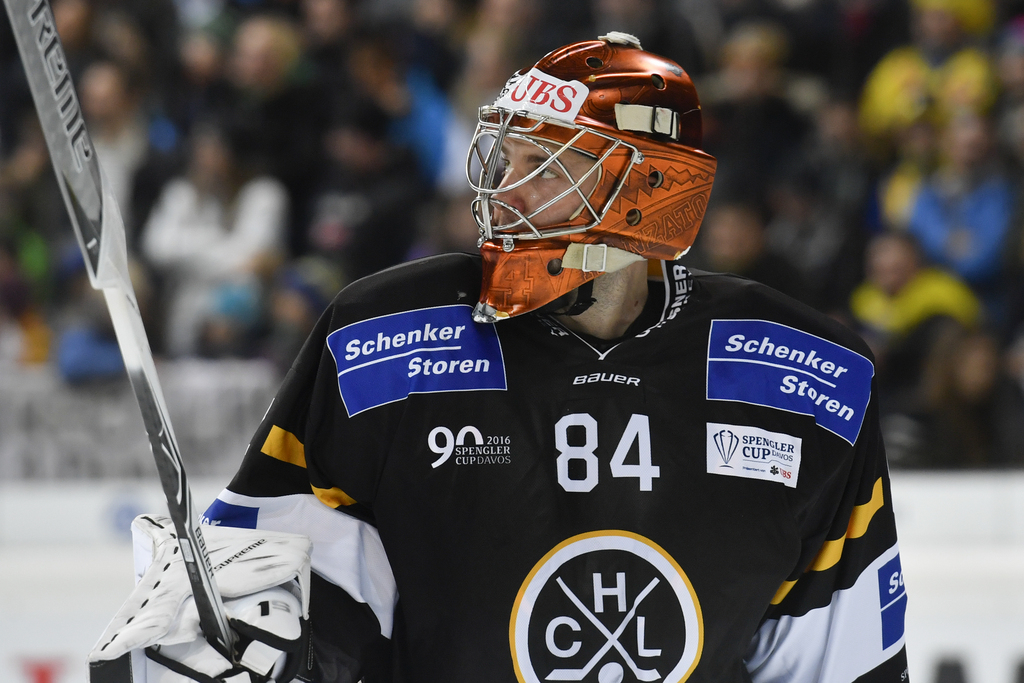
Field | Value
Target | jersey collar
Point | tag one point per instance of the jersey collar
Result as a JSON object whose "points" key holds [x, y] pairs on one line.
{"points": [[678, 287]]}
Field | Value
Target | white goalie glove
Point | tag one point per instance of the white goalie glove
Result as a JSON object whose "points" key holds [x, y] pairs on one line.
{"points": [[263, 578]]}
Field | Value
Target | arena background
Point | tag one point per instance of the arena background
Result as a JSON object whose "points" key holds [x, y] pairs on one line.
{"points": [[266, 152]]}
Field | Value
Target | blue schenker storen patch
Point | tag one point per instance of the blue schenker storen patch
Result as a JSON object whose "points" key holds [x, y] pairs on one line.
{"points": [[892, 599], [774, 365], [427, 350], [226, 514]]}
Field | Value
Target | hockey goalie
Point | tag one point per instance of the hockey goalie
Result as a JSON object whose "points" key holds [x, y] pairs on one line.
{"points": [[565, 458]]}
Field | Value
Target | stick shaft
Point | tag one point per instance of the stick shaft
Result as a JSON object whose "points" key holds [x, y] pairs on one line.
{"points": [[100, 232], [131, 337]]}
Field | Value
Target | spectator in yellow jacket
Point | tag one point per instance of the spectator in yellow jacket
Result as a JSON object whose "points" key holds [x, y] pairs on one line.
{"points": [[899, 293], [939, 74]]}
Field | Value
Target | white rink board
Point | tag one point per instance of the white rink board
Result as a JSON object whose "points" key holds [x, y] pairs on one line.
{"points": [[66, 566], [962, 547]]}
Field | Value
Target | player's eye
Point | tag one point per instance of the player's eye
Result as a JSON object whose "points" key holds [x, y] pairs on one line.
{"points": [[504, 167], [549, 173]]}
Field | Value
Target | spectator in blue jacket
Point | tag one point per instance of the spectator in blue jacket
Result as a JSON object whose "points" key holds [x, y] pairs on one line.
{"points": [[962, 217]]}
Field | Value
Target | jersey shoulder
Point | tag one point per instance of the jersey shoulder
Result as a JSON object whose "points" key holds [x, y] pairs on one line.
{"points": [[442, 280], [737, 298]]}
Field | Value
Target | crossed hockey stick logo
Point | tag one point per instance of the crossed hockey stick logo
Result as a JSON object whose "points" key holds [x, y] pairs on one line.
{"points": [[643, 625], [612, 639]]}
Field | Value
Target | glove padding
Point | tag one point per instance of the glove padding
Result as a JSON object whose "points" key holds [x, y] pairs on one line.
{"points": [[263, 578]]}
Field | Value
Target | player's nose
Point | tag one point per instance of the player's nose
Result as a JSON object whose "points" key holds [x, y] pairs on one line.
{"points": [[514, 198]]}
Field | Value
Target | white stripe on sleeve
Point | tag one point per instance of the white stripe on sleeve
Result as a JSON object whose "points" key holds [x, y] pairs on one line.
{"points": [[346, 551], [861, 628]]}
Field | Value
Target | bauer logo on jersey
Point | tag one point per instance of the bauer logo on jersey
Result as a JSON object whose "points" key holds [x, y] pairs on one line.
{"points": [[752, 453], [606, 606], [768, 364], [428, 350]]}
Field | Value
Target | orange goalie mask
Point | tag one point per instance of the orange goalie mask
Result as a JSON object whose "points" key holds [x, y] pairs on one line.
{"points": [[615, 131]]}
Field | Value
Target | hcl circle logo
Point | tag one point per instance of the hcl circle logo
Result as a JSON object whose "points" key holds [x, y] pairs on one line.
{"points": [[606, 607]]}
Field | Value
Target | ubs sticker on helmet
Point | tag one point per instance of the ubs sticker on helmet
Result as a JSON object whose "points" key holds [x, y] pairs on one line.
{"points": [[428, 350], [768, 364], [606, 606], [543, 94]]}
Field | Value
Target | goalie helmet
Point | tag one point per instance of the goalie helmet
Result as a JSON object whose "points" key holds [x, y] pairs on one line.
{"points": [[635, 119]]}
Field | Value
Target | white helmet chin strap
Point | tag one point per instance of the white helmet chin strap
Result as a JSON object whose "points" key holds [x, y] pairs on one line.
{"points": [[597, 258]]}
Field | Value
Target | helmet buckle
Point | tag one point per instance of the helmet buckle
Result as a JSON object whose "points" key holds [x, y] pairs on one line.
{"points": [[595, 258], [643, 119], [508, 244]]}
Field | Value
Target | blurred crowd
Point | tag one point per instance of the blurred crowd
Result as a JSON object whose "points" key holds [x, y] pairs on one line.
{"points": [[266, 152]]}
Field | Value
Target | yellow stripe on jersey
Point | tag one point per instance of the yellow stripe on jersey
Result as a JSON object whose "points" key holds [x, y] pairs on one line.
{"points": [[832, 551], [284, 446], [783, 591], [333, 497]]}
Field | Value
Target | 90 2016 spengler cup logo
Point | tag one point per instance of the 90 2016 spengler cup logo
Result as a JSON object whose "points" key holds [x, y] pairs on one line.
{"points": [[606, 607]]}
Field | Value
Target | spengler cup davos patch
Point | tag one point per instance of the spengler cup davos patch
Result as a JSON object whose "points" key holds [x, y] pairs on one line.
{"points": [[428, 350], [753, 453], [773, 365]]}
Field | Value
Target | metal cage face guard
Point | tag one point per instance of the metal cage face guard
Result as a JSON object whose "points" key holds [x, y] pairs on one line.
{"points": [[612, 160], [637, 117]]}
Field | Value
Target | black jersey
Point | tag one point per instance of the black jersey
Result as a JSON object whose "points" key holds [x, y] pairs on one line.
{"points": [[706, 499]]}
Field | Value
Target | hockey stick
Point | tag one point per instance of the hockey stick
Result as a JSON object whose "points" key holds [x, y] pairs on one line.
{"points": [[100, 231]]}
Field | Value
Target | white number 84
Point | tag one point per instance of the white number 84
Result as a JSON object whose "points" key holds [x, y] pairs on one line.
{"points": [[638, 429]]}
